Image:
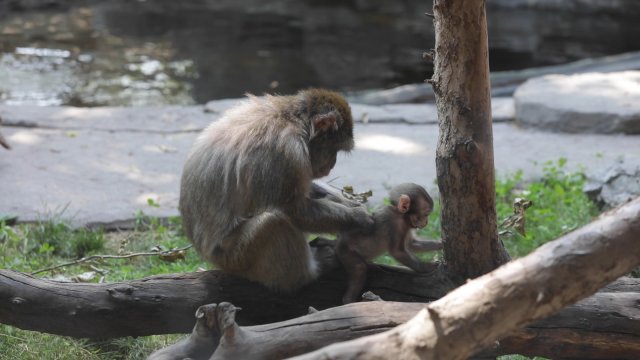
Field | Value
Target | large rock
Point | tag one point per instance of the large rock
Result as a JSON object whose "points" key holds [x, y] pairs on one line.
{"points": [[614, 185], [582, 103]]}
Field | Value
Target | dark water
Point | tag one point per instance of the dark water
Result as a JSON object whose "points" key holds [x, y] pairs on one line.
{"points": [[121, 52]]}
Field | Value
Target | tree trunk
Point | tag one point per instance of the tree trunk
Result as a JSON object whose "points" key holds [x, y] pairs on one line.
{"points": [[490, 307], [464, 159]]}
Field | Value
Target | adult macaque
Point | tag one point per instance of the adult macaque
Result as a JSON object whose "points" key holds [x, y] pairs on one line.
{"points": [[247, 197], [410, 208]]}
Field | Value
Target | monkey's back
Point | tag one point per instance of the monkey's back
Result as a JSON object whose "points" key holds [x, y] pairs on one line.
{"points": [[376, 241], [240, 166]]}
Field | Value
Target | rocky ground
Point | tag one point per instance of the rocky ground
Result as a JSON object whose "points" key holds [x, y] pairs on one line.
{"points": [[102, 165]]}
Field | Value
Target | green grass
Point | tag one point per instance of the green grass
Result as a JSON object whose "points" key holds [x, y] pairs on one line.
{"points": [[30, 247], [559, 206]]}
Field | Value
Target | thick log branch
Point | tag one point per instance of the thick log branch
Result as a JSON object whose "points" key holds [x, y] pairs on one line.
{"points": [[166, 303], [584, 334]]}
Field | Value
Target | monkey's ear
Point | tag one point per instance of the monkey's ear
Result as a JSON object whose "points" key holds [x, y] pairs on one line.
{"points": [[325, 122], [404, 203]]}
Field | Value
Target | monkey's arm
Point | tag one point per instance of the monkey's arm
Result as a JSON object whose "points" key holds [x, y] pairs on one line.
{"points": [[324, 215], [418, 244], [412, 262]]}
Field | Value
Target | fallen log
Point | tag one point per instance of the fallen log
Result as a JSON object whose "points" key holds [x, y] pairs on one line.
{"points": [[584, 333], [166, 303]]}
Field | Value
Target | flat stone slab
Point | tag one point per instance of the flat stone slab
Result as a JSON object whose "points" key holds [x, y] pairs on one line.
{"points": [[583, 103], [502, 109], [102, 165]]}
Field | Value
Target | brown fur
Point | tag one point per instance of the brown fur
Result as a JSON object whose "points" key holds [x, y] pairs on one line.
{"points": [[245, 187], [410, 208]]}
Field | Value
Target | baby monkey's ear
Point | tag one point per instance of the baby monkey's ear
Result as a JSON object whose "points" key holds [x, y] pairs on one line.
{"points": [[404, 203]]}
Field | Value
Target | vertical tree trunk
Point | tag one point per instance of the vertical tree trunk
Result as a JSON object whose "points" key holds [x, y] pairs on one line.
{"points": [[464, 159]]}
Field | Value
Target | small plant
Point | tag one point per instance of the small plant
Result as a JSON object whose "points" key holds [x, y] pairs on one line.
{"points": [[84, 242], [57, 238], [559, 206]]}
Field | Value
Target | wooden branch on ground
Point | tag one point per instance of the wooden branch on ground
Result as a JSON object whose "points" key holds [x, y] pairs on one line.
{"points": [[582, 324], [493, 306], [603, 326], [166, 303], [171, 253]]}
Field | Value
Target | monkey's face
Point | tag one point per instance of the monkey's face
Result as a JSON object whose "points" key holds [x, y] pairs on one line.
{"points": [[322, 161], [420, 217], [332, 124]]}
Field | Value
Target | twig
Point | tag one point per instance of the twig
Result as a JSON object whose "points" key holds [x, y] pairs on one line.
{"points": [[105, 257]]}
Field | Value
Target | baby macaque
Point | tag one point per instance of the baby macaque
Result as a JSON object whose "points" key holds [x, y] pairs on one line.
{"points": [[410, 208]]}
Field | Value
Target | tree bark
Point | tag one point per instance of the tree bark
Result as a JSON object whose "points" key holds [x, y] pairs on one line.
{"points": [[494, 305], [303, 334], [464, 158], [166, 303]]}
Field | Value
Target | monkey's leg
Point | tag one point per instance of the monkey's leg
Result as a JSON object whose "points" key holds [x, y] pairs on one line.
{"points": [[271, 250], [422, 245], [356, 270]]}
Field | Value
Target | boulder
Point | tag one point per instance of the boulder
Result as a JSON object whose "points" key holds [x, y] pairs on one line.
{"points": [[581, 103], [614, 185]]}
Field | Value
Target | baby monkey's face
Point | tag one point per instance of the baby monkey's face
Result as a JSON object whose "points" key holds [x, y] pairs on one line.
{"points": [[420, 217]]}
